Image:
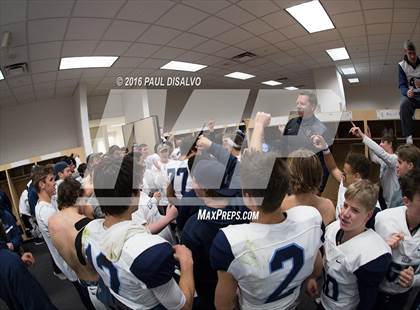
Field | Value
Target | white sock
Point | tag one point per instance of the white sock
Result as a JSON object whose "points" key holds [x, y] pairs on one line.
{"points": [[409, 140]]}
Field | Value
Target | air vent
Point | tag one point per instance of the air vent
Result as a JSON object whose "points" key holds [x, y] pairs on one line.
{"points": [[282, 79], [244, 57], [16, 69]]}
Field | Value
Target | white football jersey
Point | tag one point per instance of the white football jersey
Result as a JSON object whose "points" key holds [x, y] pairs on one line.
{"points": [[270, 262], [141, 278], [391, 221], [179, 175], [340, 289]]}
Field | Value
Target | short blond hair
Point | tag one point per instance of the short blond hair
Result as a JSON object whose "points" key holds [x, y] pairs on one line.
{"points": [[363, 192]]}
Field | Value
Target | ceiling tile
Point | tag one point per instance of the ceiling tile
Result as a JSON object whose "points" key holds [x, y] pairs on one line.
{"points": [[44, 77], [210, 47], [19, 81], [229, 52], [44, 50], [111, 48], [378, 29], [69, 74], [293, 31], [406, 15], [168, 53], [86, 28], [407, 4], [258, 8], [93, 73], [153, 63], [49, 8], [266, 50], [234, 36], [403, 28], [67, 83], [336, 7], [378, 16], [305, 40], [273, 37], [286, 45], [144, 11], [141, 50], [190, 56], [211, 27], [128, 62], [95, 8], [236, 15], [78, 48], [187, 41], [348, 19], [354, 31], [18, 31], [378, 39], [355, 41], [113, 72], [181, 17], [207, 6], [124, 31], [44, 65], [279, 19], [20, 54], [158, 35], [47, 29], [210, 60], [251, 44], [257, 27], [327, 35], [12, 12]]}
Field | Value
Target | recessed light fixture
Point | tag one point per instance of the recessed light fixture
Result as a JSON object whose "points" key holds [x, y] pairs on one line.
{"points": [[182, 66], [87, 62], [291, 88], [338, 53], [239, 75], [1, 76], [271, 83], [354, 80], [312, 16], [348, 70]]}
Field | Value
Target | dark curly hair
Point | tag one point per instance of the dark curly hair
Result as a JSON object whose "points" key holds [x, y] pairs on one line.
{"points": [[68, 192]]}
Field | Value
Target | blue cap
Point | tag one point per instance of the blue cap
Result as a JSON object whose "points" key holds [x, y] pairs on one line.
{"points": [[59, 167]]}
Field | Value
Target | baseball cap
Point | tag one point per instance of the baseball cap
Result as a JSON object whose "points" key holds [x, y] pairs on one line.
{"points": [[59, 167]]}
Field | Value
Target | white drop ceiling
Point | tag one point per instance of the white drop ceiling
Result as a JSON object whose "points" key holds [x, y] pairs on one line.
{"points": [[148, 34]]}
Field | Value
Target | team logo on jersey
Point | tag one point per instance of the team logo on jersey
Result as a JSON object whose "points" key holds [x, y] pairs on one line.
{"points": [[406, 259]]}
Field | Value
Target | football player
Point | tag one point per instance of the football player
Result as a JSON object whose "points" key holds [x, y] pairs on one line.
{"points": [[400, 227], [268, 259], [137, 266], [356, 258]]}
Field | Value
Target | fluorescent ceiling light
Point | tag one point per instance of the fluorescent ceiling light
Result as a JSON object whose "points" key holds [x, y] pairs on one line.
{"points": [[348, 70], [312, 16], [271, 83], [87, 62], [291, 88], [182, 66], [239, 75], [354, 80], [338, 53], [1, 76]]}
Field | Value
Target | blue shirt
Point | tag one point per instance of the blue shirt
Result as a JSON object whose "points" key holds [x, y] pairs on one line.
{"points": [[12, 230], [18, 288]]}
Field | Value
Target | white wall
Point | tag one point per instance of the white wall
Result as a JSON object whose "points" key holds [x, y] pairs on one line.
{"points": [[372, 97], [36, 129], [96, 108]]}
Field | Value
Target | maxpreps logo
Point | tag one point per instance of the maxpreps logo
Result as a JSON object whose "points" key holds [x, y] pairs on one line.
{"points": [[225, 215]]}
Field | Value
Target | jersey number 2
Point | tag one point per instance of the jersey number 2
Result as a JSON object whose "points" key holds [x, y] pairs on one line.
{"points": [[293, 252]]}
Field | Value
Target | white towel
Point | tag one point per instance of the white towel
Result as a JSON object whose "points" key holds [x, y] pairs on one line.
{"points": [[116, 236]]}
